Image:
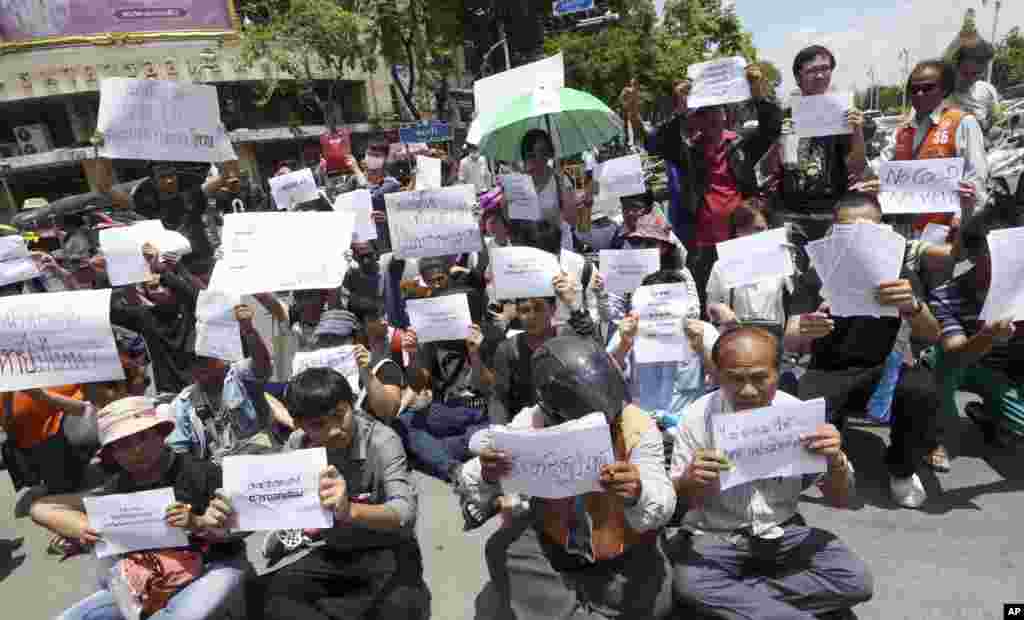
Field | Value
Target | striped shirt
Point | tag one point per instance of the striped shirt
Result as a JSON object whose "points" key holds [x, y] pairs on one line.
{"points": [[956, 307]]}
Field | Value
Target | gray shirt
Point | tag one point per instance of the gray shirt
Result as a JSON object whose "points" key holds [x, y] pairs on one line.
{"points": [[376, 472]]}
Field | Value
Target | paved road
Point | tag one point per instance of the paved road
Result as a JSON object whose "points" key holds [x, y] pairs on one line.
{"points": [[962, 556]]}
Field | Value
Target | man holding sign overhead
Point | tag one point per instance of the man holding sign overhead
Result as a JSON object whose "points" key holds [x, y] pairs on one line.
{"points": [[745, 551]]}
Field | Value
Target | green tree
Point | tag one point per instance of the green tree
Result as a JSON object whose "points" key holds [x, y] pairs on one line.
{"points": [[310, 38], [771, 73], [1009, 61]]}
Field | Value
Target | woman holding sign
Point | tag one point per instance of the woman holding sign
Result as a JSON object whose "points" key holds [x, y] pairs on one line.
{"points": [[555, 191], [132, 433]]}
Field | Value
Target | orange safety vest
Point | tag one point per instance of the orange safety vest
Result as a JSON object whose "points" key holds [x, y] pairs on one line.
{"points": [[610, 533], [940, 143]]}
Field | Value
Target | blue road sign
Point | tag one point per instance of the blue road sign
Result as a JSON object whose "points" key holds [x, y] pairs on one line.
{"points": [[427, 131], [565, 7]]}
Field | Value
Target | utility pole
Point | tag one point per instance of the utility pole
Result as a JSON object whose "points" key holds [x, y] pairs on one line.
{"points": [[905, 55], [995, 26], [872, 89]]}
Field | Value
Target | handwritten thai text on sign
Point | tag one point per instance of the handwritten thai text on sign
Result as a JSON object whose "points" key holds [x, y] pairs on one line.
{"points": [[52, 339], [161, 120], [718, 82], [765, 443], [269, 490], [133, 521], [558, 461], [433, 222]]}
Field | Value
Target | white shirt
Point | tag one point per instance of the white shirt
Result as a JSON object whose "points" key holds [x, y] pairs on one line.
{"points": [[980, 100], [474, 171], [760, 505], [760, 301]]}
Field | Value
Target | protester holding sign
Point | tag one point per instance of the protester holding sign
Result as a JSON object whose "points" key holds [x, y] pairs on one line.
{"points": [[816, 572], [538, 152], [565, 553], [938, 130], [370, 560], [815, 172], [978, 354], [132, 432], [224, 412], [848, 355]]}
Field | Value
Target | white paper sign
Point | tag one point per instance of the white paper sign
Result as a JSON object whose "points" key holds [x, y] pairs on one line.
{"points": [[936, 234], [622, 176], [283, 251], [217, 331], [852, 262], [133, 522], [273, 491], [440, 318], [625, 270], [342, 359], [1005, 298], [522, 272], [166, 241], [16, 264], [521, 196], [718, 82], [822, 115], [293, 188], [662, 309], [765, 443], [490, 94], [360, 203], [435, 222], [755, 258], [49, 339], [901, 203], [159, 120], [558, 461], [123, 251], [572, 264], [428, 173], [922, 175]]}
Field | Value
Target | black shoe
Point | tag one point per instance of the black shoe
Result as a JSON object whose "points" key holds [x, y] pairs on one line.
{"points": [[989, 429]]}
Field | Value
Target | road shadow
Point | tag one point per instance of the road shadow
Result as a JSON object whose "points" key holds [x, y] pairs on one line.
{"points": [[8, 561]]}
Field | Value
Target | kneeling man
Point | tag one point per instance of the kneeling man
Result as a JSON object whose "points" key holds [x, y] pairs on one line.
{"points": [[746, 552]]}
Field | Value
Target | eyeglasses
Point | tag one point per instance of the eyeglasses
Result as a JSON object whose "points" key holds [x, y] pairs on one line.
{"points": [[822, 71], [542, 154], [922, 89]]}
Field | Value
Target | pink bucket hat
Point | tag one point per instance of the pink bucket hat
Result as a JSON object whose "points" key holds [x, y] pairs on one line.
{"points": [[129, 416]]}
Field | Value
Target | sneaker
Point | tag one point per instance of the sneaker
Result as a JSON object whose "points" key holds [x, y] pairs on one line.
{"points": [[908, 492]]}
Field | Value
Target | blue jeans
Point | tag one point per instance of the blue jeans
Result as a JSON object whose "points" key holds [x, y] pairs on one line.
{"points": [[437, 438], [199, 600]]}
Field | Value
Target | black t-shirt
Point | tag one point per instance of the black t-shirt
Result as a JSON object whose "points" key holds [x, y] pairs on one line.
{"points": [[169, 332], [860, 341], [514, 380]]}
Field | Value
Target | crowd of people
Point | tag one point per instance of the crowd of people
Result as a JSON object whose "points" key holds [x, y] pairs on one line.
{"points": [[661, 539]]}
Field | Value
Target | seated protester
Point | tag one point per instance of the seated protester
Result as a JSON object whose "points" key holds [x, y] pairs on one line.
{"points": [[551, 561], [369, 564], [848, 357], [132, 436], [652, 231], [366, 280], [746, 552], [37, 451], [985, 358], [224, 411], [381, 378], [665, 389], [163, 311], [513, 385], [303, 315], [633, 208], [764, 303]]}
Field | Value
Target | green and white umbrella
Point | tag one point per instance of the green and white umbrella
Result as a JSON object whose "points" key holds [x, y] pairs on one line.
{"points": [[576, 121]]}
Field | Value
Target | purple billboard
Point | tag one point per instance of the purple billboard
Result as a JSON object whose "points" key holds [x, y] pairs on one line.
{"points": [[23, 21]]}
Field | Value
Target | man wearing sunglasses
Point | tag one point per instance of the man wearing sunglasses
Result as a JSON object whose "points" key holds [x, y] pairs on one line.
{"points": [[938, 130]]}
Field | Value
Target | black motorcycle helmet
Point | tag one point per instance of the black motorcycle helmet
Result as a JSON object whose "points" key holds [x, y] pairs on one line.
{"points": [[574, 377]]}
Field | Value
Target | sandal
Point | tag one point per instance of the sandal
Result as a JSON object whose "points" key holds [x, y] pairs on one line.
{"points": [[938, 459]]}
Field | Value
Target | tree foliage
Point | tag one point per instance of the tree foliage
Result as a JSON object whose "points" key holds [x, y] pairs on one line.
{"points": [[1009, 61], [333, 37], [657, 55]]}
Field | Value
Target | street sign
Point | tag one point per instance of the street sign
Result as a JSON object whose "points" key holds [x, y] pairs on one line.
{"points": [[426, 131], [565, 7]]}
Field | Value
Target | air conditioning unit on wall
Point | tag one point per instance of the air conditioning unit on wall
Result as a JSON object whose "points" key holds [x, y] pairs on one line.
{"points": [[33, 139]]}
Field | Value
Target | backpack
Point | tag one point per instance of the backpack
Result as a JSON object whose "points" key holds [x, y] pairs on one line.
{"points": [[142, 582]]}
